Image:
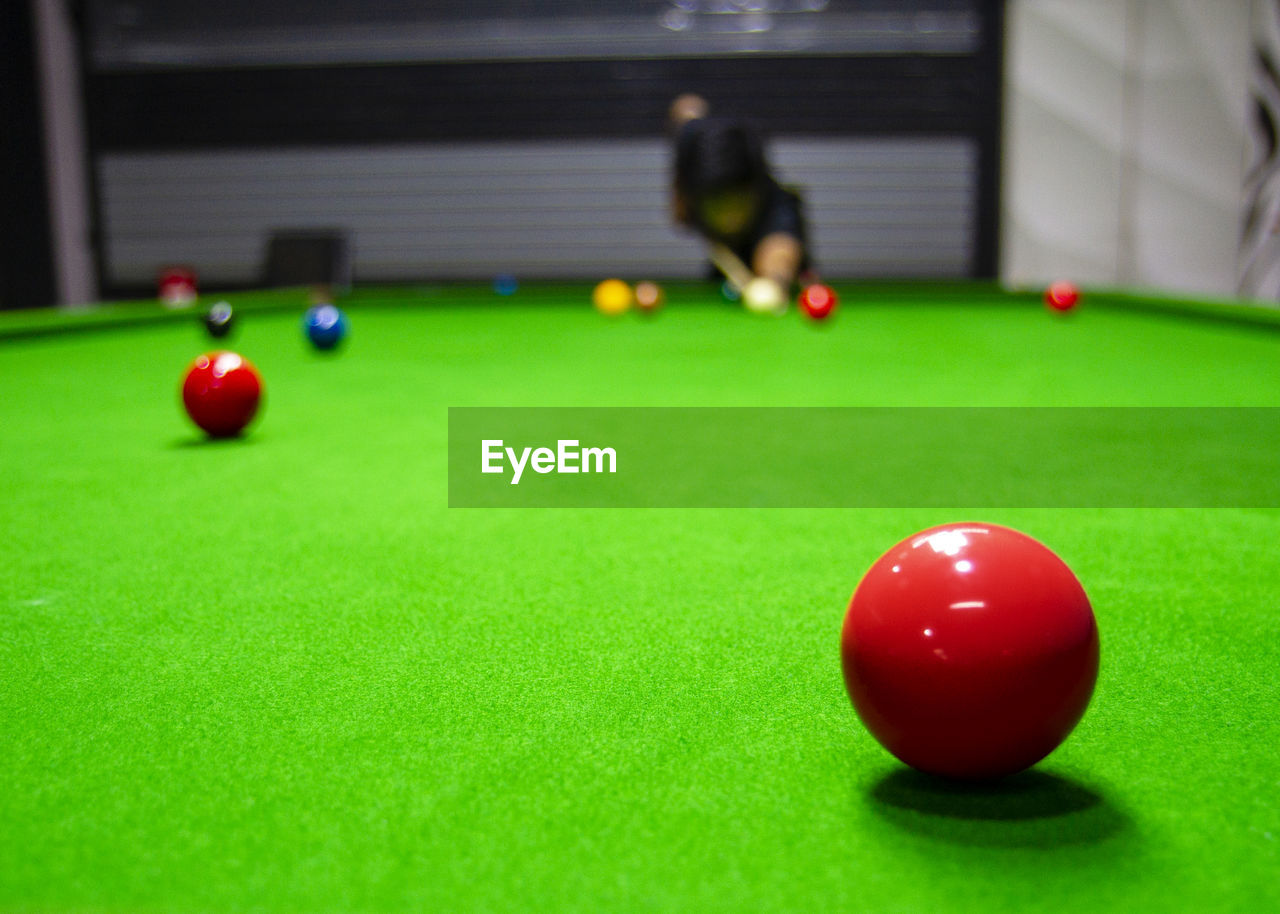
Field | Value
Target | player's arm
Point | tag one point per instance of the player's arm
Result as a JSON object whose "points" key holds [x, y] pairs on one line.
{"points": [[778, 257], [687, 107], [680, 208]]}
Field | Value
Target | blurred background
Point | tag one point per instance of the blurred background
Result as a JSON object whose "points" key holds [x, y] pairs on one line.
{"points": [[1110, 142]]}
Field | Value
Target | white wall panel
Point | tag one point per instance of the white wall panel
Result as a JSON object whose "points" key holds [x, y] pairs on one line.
{"points": [[1124, 142]]}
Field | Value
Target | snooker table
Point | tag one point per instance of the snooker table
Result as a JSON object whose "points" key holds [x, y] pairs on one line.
{"points": [[279, 673]]}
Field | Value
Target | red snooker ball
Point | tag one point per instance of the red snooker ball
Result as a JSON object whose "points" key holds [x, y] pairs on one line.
{"points": [[221, 391], [970, 651], [1061, 296], [818, 301]]}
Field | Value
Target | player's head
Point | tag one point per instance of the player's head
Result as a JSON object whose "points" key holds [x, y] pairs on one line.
{"points": [[685, 108], [722, 172]]}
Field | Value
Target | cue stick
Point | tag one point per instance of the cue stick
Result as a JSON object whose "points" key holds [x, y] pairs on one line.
{"points": [[728, 263]]}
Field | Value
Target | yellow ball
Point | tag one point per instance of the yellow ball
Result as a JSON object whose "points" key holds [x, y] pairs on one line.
{"points": [[613, 296]]}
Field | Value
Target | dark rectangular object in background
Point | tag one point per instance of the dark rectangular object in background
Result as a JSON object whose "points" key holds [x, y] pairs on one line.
{"points": [[308, 257]]}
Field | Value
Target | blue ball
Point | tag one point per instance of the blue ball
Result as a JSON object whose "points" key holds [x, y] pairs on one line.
{"points": [[505, 284], [325, 325]]}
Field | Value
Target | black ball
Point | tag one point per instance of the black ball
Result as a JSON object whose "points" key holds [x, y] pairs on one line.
{"points": [[219, 320]]}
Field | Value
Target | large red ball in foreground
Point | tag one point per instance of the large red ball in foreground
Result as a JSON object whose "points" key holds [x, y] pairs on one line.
{"points": [[221, 392], [970, 651]]}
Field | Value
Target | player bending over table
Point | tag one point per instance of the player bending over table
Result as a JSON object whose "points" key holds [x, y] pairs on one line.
{"points": [[725, 191]]}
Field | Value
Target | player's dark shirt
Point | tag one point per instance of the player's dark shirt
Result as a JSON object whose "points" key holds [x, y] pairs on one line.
{"points": [[782, 210]]}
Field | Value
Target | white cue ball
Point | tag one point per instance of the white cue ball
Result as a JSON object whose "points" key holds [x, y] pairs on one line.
{"points": [[764, 296]]}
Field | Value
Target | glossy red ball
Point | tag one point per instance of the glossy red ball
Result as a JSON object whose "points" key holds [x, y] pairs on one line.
{"points": [[818, 301], [221, 392], [970, 651], [1061, 296]]}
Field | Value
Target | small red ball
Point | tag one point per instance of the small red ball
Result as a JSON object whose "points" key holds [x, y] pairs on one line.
{"points": [[970, 651], [818, 301], [1061, 296], [177, 286], [221, 392]]}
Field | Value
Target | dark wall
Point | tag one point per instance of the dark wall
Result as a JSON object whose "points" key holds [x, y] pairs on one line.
{"points": [[227, 95], [26, 253]]}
